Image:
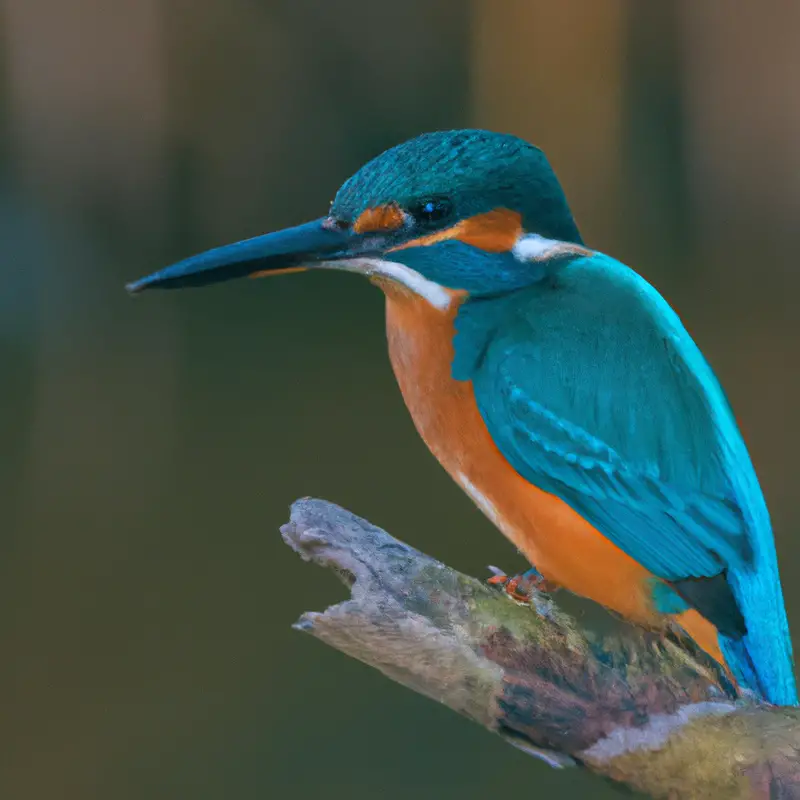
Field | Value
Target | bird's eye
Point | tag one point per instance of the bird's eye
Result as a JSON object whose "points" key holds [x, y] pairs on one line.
{"points": [[432, 210]]}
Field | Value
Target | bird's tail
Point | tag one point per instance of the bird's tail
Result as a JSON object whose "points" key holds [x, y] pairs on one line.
{"points": [[761, 661]]}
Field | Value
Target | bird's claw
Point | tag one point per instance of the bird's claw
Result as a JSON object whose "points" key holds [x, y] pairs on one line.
{"points": [[520, 587], [509, 586]]}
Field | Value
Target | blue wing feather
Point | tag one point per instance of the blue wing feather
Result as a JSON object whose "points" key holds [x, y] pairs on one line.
{"points": [[628, 504], [593, 390]]}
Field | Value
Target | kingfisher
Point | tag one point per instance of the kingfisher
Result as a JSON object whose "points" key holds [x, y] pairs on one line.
{"points": [[556, 386]]}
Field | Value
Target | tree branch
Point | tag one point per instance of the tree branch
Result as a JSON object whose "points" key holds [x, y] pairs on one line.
{"points": [[640, 708]]}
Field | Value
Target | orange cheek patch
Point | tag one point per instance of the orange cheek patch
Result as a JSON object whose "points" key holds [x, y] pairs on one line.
{"points": [[495, 232], [381, 218]]}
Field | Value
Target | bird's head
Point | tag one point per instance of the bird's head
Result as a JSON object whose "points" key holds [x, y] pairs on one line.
{"points": [[456, 210]]}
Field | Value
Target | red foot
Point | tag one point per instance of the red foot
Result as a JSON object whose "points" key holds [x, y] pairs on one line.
{"points": [[519, 587], [509, 586]]}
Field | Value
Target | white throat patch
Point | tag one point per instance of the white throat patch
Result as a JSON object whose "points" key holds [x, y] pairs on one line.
{"points": [[532, 247], [435, 294]]}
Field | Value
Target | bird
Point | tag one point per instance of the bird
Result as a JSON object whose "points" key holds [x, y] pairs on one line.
{"points": [[556, 386]]}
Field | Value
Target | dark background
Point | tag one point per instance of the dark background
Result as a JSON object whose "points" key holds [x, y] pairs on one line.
{"points": [[149, 449]]}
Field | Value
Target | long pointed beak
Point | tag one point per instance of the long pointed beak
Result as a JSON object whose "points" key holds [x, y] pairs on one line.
{"points": [[287, 250]]}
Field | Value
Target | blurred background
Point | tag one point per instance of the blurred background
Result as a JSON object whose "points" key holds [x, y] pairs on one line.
{"points": [[151, 448]]}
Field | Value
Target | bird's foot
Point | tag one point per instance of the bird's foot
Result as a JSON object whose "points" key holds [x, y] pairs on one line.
{"points": [[521, 587]]}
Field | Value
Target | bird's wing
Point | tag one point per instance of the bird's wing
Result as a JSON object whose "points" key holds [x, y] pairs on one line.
{"points": [[612, 415]]}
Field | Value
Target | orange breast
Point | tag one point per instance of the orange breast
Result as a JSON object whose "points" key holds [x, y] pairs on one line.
{"points": [[563, 546]]}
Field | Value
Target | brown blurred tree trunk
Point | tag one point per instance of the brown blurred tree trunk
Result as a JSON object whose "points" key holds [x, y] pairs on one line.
{"points": [[553, 73], [88, 103], [742, 68]]}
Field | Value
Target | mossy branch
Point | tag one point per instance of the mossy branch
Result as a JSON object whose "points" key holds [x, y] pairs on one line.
{"points": [[639, 708]]}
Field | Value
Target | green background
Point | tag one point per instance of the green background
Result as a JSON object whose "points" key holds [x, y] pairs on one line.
{"points": [[149, 449]]}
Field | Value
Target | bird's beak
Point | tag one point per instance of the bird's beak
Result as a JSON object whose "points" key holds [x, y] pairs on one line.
{"points": [[317, 243]]}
